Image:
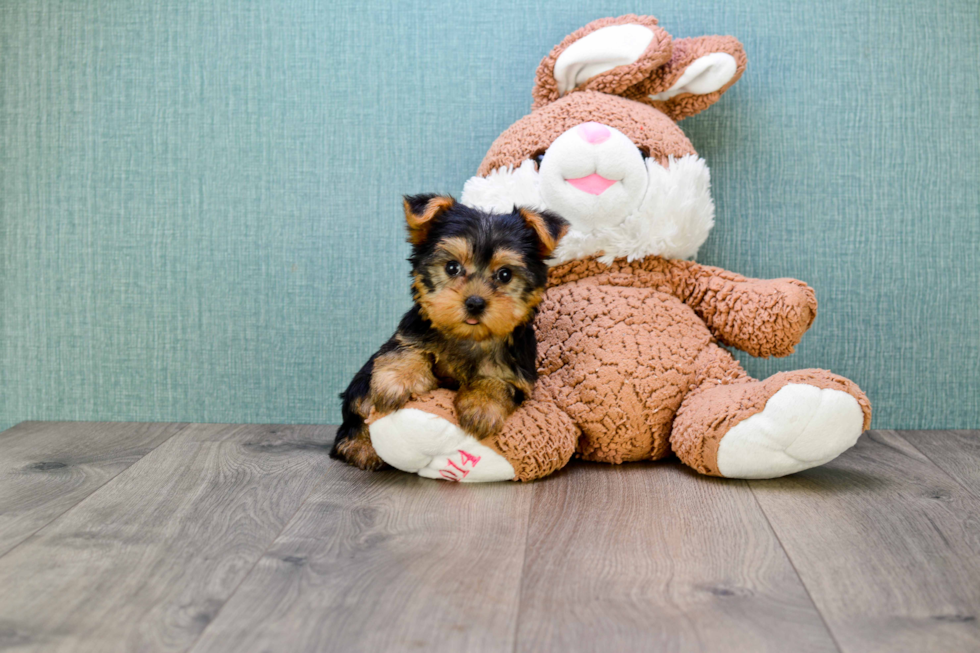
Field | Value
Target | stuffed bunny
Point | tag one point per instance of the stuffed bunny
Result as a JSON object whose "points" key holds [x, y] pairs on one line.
{"points": [[630, 333]]}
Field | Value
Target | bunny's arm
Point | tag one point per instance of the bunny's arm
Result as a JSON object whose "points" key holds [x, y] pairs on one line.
{"points": [[763, 317]]}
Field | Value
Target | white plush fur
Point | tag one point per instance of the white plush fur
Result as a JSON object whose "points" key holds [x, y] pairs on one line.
{"points": [[421, 443], [801, 426], [672, 219], [572, 156], [705, 75], [600, 51]]}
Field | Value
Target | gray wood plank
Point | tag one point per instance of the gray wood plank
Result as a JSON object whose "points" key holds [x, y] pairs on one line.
{"points": [[652, 557], [887, 544], [48, 467], [146, 562], [385, 562], [955, 452]]}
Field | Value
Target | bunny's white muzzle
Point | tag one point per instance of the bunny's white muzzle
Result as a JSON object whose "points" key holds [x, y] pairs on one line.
{"points": [[617, 202], [593, 176]]}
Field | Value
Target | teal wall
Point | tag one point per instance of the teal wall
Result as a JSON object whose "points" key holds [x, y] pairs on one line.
{"points": [[199, 202]]}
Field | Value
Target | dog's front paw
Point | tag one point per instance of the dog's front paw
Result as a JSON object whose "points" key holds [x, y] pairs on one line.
{"points": [[359, 452], [479, 415], [397, 377], [390, 400]]}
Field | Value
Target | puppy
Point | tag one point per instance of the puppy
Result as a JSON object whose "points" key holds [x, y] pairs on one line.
{"points": [[477, 280]]}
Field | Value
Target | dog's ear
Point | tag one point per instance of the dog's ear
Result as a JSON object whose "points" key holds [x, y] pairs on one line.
{"points": [[549, 227], [421, 212], [607, 55]]}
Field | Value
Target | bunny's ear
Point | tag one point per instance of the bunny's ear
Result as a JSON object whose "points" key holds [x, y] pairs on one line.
{"points": [[699, 71], [607, 55]]}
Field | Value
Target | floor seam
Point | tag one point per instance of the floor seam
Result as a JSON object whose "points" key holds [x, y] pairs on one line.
{"points": [[937, 465], [789, 558], [520, 585], [255, 564], [96, 489]]}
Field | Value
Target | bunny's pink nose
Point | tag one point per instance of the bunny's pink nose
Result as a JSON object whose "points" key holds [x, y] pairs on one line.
{"points": [[593, 132]]}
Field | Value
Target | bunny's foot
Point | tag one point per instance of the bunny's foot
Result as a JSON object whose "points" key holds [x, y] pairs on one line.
{"points": [[426, 444], [787, 423]]}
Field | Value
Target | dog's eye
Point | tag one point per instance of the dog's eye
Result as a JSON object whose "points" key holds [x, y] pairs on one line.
{"points": [[453, 268], [504, 275], [644, 152], [538, 158]]}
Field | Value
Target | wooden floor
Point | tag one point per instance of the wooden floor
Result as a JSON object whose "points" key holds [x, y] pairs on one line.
{"points": [[194, 537]]}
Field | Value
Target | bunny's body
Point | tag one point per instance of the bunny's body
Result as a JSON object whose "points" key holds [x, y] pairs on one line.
{"points": [[629, 362]]}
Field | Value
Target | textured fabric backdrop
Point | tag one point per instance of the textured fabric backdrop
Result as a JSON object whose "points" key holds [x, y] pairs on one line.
{"points": [[199, 202]]}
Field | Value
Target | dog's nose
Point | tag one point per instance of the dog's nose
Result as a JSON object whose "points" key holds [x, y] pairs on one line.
{"points": [[475, 304], [593, 132]]}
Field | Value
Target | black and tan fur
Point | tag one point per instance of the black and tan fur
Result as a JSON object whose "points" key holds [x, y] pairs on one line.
{"points": [[477, 279]]}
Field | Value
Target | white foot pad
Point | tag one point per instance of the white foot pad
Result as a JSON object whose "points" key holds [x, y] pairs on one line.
{"points": [[802, 426], [422, 443]]}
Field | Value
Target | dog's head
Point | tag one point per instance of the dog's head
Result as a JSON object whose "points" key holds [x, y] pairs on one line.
{"points": [[478, 275]]}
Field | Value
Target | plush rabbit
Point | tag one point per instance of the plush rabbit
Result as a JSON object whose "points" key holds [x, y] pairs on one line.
{"points": [[630, 360]]}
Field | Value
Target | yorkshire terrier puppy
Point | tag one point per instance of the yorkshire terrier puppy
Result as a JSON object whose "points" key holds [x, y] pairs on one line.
{"points": [[477, 280]]}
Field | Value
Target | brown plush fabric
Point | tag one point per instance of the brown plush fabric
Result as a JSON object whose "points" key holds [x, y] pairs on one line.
{"points": [[614, 81], [617, 98], [537, 440], [629, 354], [699, 426], [646, 126], [684, 52], [622, 348], [764, 317]]}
